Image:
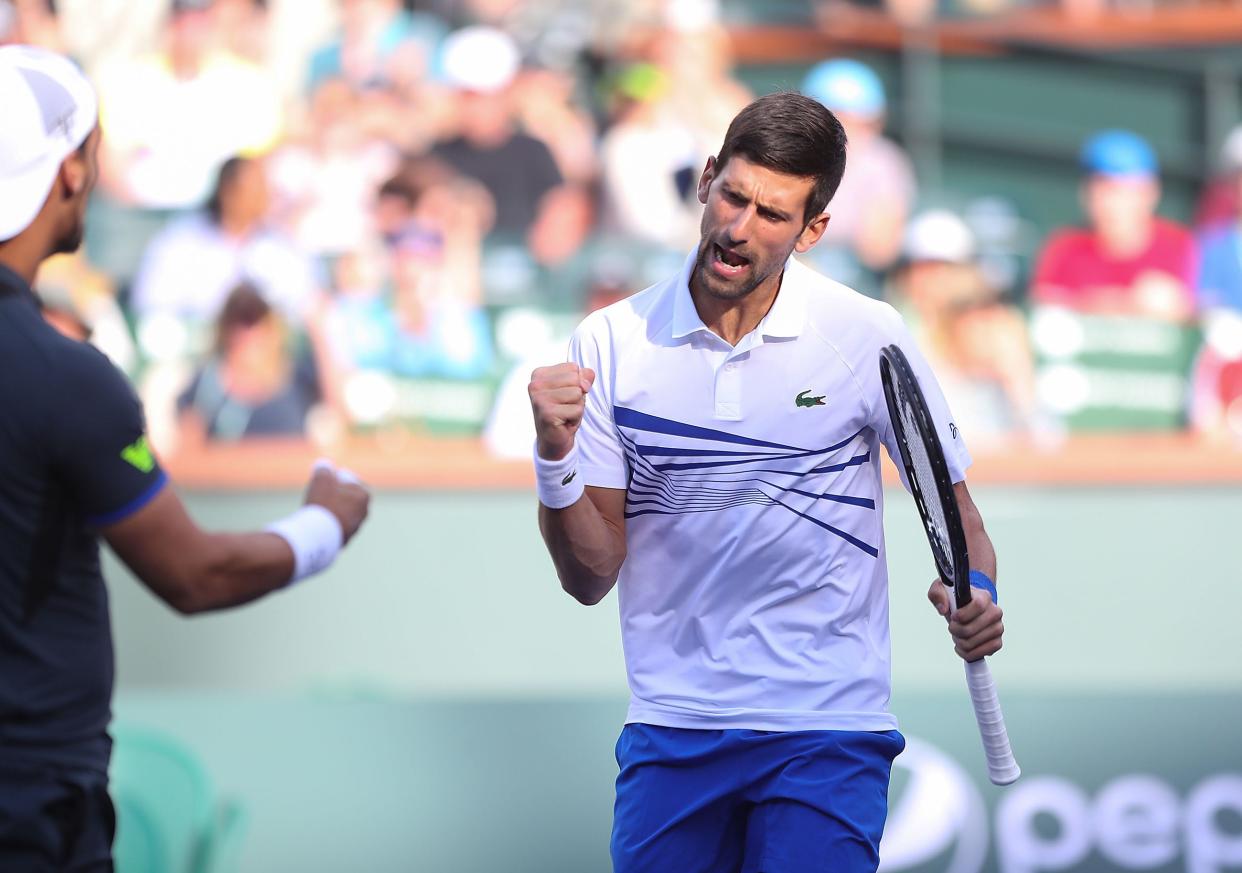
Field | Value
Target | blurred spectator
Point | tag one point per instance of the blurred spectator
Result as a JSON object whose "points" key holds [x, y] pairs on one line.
{"points": [[193, 264], [561, 33], [457, 211], [977, 342], [81, 303], [1216, 399], [394, 207], [380, 45], [1218, 202], [324, 183], [650, 163], [1128, 261], [440, 328], [411, 310], [428, 191], [1216, 390], [1216, 383], [567, 217], [437, 330], [870, 209], [668, 114], [516, 169], [171, 119], [356, 322], [696, 54], [1220, 247], [254, 383], [546, 108], [31, 22], [242, 28]]}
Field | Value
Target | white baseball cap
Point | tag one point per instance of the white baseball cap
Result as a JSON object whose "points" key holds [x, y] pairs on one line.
{"points": [[49, 110], [939, 235], [481, 59]]}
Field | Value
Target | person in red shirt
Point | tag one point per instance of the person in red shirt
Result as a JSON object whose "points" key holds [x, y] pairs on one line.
{"points": [[1128, 261]]}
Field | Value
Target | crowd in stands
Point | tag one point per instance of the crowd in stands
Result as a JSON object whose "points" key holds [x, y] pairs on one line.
{"points": [[391, 236]]}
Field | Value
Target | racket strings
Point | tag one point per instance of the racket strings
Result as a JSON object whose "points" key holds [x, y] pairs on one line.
{"points": [[926, 487]]}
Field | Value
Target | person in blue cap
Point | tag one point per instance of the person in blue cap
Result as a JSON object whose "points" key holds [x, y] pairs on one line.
{"points": [[1127, 261], [870, 209]]}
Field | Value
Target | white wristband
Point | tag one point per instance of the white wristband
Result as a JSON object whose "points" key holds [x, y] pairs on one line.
{"points": [[315, 536], [557, 482]]}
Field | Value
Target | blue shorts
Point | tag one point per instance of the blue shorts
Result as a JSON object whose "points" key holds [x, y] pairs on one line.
{"points": [[743, 801]]}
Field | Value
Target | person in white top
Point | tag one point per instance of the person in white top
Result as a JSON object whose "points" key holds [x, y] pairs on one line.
{"points": [[712, 449]]}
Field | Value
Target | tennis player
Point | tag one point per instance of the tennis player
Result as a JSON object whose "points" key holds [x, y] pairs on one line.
{"points": [[75, 465], [712, 448]]}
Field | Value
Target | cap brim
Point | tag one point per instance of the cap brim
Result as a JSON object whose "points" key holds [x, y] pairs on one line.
{"points": [[22, 197]]}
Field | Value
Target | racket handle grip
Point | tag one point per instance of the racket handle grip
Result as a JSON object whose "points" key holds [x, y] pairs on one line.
{"points": [[1002, 768]]}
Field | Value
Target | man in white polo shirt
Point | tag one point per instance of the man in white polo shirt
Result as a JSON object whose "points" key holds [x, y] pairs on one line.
{"points": [[713, 446]]}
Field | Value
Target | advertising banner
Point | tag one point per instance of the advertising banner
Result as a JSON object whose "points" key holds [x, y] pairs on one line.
{"points": [[1109, 784]]}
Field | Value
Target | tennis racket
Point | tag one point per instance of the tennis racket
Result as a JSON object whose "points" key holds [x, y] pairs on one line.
{"points": [[928, 475]]}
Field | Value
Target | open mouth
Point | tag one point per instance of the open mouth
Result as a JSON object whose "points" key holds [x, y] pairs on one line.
{"points": [[727, 261]]}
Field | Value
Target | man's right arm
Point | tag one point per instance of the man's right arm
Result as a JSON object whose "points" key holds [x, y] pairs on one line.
{"points": [[587, 542], [193, 570], [586, 538]]}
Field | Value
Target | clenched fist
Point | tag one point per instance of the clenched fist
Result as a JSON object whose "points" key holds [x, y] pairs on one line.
{"points": [[558, 399], [339, 492]]}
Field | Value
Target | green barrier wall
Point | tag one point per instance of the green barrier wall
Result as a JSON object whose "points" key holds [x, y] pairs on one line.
{"points": [[435, 703]]}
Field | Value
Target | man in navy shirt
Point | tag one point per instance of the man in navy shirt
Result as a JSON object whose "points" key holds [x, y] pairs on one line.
{"points": [[75, 465]]}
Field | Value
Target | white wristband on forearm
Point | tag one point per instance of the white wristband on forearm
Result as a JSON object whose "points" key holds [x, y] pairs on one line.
{"points": [[315, 536], [557, 482]]}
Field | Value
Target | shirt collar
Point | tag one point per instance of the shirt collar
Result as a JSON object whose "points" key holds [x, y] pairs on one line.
{"points": [[788, 313], [685, 317], [783, 321]]}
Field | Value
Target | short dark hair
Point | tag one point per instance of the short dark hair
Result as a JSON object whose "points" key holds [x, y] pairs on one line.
{"points": [[790, 133], [244, 307], [225, 177]]}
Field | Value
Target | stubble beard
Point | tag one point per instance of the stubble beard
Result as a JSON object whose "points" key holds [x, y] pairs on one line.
{"points": [[71, 240], [727, 291]]}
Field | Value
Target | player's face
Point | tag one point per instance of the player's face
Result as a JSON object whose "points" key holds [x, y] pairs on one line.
{"points": [[753, 219], [86, 174]]}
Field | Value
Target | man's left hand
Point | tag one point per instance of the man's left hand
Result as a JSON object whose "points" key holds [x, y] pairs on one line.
{"points": [[976, 628]]}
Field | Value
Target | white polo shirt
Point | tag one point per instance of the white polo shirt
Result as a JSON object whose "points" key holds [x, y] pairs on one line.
{"points": [[754, 592]]}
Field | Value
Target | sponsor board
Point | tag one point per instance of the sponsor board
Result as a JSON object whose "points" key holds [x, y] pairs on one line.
{"points": [[944, 819]]}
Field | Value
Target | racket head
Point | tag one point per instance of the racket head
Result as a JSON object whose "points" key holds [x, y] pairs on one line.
{"points": [[927, 471]]}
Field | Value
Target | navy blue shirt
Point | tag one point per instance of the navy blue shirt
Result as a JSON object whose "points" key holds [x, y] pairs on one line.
{"points": [[73, 457], [517, 174]]}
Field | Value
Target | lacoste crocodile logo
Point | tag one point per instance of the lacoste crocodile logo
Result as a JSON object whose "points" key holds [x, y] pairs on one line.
{"points": [[569, 478], [803, 400]]}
